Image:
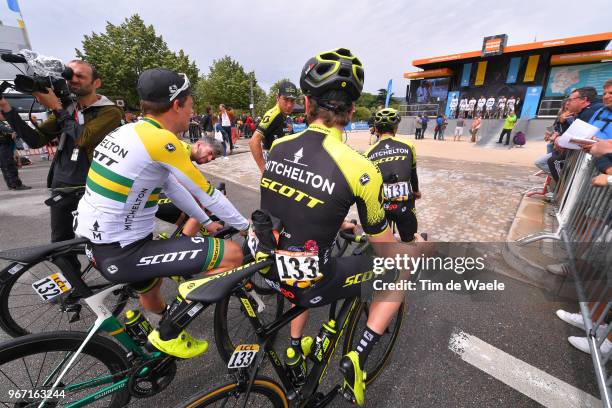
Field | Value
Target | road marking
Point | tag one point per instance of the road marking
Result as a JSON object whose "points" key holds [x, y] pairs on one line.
{"points": [[531, 381]]}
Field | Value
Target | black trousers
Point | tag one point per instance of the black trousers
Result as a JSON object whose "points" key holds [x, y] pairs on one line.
{"points": [[506, 132], [228, 130], [417, 133], [8, 165]]}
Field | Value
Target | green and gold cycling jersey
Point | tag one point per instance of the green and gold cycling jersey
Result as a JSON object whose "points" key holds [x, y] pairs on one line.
{"points": [[310, 182], [130, 168]]}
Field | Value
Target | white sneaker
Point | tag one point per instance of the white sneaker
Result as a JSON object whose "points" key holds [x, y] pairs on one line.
{"points": [[582, 344], [575, 319]]}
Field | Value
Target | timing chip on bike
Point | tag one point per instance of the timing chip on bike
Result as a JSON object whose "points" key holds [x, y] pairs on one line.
{"points": [[396, 159]]}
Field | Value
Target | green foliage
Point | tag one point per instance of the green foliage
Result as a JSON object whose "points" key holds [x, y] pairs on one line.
{"points": [[367, 100], [124, 51], [361, 113], [227, 83]]}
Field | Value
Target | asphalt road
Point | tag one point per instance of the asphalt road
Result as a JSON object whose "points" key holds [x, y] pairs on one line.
{"points": [[425, 371]]}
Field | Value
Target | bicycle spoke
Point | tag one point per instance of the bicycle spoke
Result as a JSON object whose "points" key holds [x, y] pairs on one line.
{"points": [[27, 372], [9, 378], [41, 366]]}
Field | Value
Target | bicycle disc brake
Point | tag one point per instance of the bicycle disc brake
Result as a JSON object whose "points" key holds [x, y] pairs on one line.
{"points": [[152, 377]]}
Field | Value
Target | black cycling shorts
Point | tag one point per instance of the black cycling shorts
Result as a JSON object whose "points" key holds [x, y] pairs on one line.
{"points": [[143, 262], [166, 210], [403, 214], [346, 277]]}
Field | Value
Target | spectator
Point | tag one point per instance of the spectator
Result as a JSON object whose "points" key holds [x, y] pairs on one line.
{"points": [[602, 150], [206, 122], [195, 132], [8, 166], [459, 129], [226, 123], [474, 127], [602, 118], [441, 123], [581, 104], [424, 121], [224, 139], [509, 124], [249, 127], [550, 135], [418, 124]]}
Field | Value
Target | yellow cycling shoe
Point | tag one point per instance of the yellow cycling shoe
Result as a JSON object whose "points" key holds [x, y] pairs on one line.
{"points": [[353, 388], [183, 346]]}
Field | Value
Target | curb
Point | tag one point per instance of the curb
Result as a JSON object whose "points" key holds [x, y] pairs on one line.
{"points": [[530, 261]]}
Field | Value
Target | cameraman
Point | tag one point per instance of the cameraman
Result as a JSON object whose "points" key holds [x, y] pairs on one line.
{"points": [[79, 127]]}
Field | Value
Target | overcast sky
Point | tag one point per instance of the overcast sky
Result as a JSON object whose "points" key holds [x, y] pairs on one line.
{"points": [[274, 38]]}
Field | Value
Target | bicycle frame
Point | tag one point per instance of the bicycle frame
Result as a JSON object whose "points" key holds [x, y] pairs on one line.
{"points": [[105, 322], [264, 333]]}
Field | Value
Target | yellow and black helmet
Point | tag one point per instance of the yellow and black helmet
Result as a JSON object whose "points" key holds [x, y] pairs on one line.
{"points": [[335, 70], [387, 117]]}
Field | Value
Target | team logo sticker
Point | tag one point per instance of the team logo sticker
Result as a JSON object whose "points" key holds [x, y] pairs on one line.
{"points": [[170, 147], [364, 179], [112, 269]]}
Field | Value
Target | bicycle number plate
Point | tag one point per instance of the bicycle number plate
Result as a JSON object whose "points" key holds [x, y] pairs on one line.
{"points": [[397, 191], [297, 266], [243, 356], [51, 286]]}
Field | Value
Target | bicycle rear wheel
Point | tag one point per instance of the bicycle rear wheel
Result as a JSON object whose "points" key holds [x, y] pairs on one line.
{"points": [[264, 393], [23, 311], [379, 356], [34, 362]]}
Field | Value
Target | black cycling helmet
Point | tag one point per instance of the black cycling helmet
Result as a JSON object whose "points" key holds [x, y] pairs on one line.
{"points": [[335, 70], [386, 117]]}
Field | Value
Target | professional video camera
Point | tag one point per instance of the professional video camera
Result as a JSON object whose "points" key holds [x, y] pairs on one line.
{"points": [[40, 73]]}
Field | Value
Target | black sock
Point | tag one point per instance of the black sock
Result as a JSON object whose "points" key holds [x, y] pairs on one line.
{"points": [[296, 344], [368, 340]]}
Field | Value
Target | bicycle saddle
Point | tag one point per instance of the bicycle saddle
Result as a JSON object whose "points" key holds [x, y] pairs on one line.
{"points": [[35, 253], [212, 289]]}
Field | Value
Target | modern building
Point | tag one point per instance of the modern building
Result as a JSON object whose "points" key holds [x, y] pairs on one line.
{"points": [[537, 75]]}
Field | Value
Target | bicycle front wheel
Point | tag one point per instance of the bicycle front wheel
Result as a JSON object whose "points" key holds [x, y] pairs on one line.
{"points": [[264, 393], [232, 325], [30, 365], [380, 354]]}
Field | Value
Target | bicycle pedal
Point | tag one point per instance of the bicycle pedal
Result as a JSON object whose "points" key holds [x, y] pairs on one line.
{"points": [[75, 318]]}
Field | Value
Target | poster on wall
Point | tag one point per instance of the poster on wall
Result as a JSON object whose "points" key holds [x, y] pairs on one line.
{"points": [[532, 100], [565, 79], [452, 104], [425, 91]]}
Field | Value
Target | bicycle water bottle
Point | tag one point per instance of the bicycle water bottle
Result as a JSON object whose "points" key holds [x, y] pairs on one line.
{"points": [[323, 340], [137, 326], [306, 345], [296, 367]]}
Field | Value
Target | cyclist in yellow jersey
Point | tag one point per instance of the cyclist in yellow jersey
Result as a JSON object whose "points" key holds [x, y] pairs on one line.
{"points": [[396, 159], [310, 182], [273, 124], [130, 168]]}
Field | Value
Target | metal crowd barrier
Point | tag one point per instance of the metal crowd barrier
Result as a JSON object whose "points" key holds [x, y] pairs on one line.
{"points": [[45, 153], [584, 215]]}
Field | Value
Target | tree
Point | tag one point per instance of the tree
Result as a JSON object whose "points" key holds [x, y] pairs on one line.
{"points": [[382, 97], [361, 113], [227, 83], [367, 100], [124, 51], [271, 99]]}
